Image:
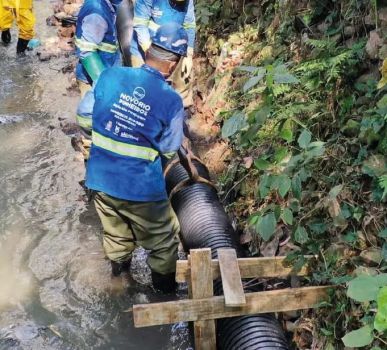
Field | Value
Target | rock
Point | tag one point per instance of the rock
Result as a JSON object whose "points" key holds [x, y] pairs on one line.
{"points": [[372, 256], [72, 9], [322, 27], [26, 332], [349, 31], [382, 12], [375, 165], [66, 32], [60, 15], [383, 52], [373, 44], [372, 74], [66, 45], [52, 21], [368, 21]]}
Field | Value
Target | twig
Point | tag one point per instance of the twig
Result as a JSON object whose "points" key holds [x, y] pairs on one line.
{"points": [[235, 185]]}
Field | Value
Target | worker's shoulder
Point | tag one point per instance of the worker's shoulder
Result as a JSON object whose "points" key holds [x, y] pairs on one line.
{"points": [[92, 7], [113, 73]]}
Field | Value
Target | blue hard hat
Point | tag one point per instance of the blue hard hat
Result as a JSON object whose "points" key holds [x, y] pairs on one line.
{"points": [[172, 37]]}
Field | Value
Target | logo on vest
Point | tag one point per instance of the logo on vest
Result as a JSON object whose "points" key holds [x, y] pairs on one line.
{"points": [[109, 125], [139, 93]]}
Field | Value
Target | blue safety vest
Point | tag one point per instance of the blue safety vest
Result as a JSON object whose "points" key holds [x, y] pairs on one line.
{"points": [[160, 13], [164, 13], [108, 49], [136, 117]]}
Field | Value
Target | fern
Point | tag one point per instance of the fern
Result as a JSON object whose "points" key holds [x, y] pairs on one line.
{"points": [[321, 44], [296, 109], [383, 184], [280, 89]]}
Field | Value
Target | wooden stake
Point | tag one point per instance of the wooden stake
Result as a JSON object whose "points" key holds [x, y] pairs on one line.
{"points": [[202, 287], [234, 294]]}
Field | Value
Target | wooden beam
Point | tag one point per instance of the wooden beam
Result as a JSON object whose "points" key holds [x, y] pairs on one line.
{"points": [[250, 268], [234, 294], [202, 287], [213, 308]]}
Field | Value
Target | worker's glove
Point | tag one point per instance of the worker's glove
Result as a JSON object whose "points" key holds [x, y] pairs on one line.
{"points": [[93, 65], [187, 64]]}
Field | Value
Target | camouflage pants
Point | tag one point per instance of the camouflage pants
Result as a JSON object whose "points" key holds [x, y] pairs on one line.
{"points": [[151, 225]]}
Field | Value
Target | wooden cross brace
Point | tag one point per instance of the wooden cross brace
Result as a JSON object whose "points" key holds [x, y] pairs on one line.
{"points": [[203, 307]]}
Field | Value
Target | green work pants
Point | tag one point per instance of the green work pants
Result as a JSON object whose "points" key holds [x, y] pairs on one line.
{"points": [[151, 225]]}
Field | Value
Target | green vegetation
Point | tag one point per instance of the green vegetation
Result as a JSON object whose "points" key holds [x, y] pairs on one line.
{"points": [[305, 113]]}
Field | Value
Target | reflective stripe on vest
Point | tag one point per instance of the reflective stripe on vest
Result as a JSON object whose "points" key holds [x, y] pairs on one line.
{"points": [[140, 21], [84, 45], [84, 122], [153, 26], [124, 149], [189, 25]]}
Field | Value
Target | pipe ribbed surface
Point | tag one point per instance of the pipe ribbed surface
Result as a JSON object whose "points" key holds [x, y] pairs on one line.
{"points": [[124, 26], [205, 224]]}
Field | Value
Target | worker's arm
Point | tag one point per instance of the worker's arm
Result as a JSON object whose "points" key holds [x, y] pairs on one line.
{"points": [[142, 16], [172, 136], [94, 28], [190, 25], [85, 111]]}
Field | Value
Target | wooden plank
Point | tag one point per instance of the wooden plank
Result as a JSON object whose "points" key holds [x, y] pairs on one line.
{"points": [[234, 294], [250, 268], [202, 287], [213, 308]]}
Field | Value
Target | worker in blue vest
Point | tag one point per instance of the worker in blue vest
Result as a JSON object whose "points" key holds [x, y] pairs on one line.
{"points": [[149, 15], [137, 122], [97, 48]]}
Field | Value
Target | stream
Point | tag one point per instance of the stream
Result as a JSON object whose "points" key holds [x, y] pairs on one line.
{"points": [[55, 285]]}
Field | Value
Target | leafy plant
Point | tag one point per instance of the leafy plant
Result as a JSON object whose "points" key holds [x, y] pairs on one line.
{"points": [[370, 289]]}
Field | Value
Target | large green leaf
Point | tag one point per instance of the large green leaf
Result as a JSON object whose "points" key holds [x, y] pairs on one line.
{"points": [[287, 216], [304, 139], [254, 80], [286, 134], [233, 124], [301, 235], [363, 288], [266, 226], [380, 322], [358, 338], [262, 164], [381, 279], [375, 165], [383, 233], [296, 186], [262, 114], [280, 154], [284, 184], [264, 185], [282, 75]]}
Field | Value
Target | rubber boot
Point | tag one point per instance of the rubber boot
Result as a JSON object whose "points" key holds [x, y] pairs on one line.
{"points": [[6, 36], [21, 46], [119, 267], [164, 283]]}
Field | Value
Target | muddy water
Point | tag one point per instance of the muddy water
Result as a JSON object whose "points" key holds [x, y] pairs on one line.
{"points": [[55, 285]]}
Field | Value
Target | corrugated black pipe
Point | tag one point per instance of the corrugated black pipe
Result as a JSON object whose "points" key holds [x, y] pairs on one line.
{"points": [[205, 224], [124, 26]]}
